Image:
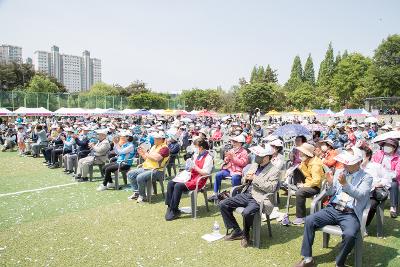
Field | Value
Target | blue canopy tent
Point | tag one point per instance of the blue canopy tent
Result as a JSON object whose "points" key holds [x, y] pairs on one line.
{"points": [[353, 113], [142, 112], [324, 112]]}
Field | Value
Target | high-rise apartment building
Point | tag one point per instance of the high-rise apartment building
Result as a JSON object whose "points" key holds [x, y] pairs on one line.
{"points": [[10, 53], [74, 72]]}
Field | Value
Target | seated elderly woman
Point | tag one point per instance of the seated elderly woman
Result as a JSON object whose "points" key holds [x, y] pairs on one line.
{"points": [[203, 164], [235, 160], [261, 181], [307, 178], [329, 154], [381, 180]]}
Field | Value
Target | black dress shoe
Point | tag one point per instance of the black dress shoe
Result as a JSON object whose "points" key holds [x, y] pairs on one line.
{"points": [[173, 215], [66, 171], [83, 180], [235, 235], [302, 263]]}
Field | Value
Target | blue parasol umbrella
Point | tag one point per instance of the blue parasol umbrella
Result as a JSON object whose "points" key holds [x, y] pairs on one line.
{"points": [[316, 127], [292, 130], [142, 112]]}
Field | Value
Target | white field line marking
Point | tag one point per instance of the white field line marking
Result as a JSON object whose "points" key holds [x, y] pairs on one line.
{"points": [[35, 190]]}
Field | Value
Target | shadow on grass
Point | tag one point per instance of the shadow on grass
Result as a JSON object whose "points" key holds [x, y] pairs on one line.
{"points": [[373, 254]]}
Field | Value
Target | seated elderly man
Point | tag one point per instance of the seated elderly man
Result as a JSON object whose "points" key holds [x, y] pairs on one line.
{"points": [[261, 181], [125, 151], [97, 155], [349, 189], [154, 162], [81, 150], [235, 160], [41, 142]]}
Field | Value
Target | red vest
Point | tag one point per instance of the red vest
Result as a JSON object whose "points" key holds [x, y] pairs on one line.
{"points": [[191, 184]]}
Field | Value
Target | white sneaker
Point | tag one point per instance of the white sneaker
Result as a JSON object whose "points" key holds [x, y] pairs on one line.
{"points": [[141, 199], [110, 185], [101, 188]]}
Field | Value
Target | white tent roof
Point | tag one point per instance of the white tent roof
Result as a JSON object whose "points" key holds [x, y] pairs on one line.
{"points": [[71, 112], [5, 112], [129, 111], [33, 111]]}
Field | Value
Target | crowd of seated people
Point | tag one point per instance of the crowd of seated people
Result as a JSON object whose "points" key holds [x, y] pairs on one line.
{"points": [[353, 170]]}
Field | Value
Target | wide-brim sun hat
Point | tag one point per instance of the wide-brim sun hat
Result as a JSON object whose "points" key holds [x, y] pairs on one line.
{"points": [[327, 141], [306, 149], [390, 141], [102, 131], [276, 142], [240, 138], [158, 135], [348, 158], [262, 151]]}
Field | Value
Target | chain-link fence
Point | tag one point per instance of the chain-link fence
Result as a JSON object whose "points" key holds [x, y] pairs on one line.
{"points": [[15, 99]]}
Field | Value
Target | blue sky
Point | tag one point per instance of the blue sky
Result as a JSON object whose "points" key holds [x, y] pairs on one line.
{"points": [[174, 45]]}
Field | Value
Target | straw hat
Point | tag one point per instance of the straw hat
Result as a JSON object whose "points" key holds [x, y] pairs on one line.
{"points": [[307, 149]]}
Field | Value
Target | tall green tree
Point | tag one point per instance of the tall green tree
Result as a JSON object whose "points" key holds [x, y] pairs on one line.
{"points": [[384, 75], [350, 78], [102, 89], [309, 73], [198, 99], [147, 100], [296, 75], [15, 76], [41, 84], [270, 75], [327, 68], [256, 95], [254, 74]]}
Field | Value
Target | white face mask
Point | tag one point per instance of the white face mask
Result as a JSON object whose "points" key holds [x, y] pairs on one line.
{"points": [[324, 148], [388, 149]]}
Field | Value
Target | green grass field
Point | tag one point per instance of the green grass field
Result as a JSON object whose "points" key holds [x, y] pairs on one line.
{"points": [[77, 226]]}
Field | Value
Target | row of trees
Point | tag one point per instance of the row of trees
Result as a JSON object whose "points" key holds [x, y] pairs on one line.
{"points": [[344, 80]]}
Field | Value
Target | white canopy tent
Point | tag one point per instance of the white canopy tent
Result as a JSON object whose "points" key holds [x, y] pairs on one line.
{"points": [[33, 111], [129, 111], [71, 112], [5, 112]]}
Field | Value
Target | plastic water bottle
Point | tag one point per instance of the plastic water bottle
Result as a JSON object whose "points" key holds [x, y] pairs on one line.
{"points": [[216, 228]]}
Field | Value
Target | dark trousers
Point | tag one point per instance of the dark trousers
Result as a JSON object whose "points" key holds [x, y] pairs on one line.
{"points": [[174, 194], [348, 222], [171, 163], [56, 152], [301, 196], [372, 210], [47, 153], [228, 205], [110, 168], [394, 194], [298, 177]]}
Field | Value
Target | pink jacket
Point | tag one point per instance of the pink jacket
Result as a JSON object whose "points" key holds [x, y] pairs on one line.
{"points": [[239, 161], [378, 157], [217, 135]]}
